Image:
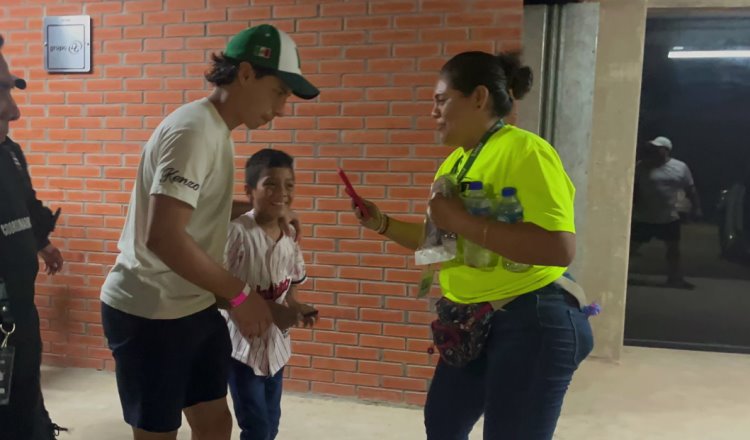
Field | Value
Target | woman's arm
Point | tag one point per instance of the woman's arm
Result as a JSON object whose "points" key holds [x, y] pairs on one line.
{"points": [[524, 243], [407, 234]]}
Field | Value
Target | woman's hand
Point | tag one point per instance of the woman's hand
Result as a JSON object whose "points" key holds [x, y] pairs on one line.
{"points": [[408, 235], [448, 213], [375, 219]]}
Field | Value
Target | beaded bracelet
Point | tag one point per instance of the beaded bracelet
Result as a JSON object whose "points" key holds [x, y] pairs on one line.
{"points": [[385, 223]]}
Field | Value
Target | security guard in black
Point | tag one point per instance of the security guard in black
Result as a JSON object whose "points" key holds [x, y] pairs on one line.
{"points": [[25, 224]]}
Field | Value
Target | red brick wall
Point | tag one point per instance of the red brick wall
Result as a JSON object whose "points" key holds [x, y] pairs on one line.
{"points": [[376, 63]]}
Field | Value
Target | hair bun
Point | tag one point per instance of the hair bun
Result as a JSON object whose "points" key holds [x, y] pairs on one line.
{"points": [[520, 77], [521, 82]]}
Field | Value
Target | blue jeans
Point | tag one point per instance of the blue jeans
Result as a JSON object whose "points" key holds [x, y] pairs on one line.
{"points": [[519, 382], [257, 401]]}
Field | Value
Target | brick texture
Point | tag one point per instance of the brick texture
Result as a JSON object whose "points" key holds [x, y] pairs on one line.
{"points": [[376, 63]]}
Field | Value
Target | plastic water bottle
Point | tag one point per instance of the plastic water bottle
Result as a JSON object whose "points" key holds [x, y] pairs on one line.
{"points": [[509, 210], [476, 202]]}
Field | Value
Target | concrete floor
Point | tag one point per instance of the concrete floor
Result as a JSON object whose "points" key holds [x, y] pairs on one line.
{"points": [[701, 256], [651, 394], [713, 316]]}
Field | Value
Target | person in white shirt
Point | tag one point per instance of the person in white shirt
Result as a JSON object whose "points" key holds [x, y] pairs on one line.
{"points": [[169, 341], [659, 180], [260, 253]]}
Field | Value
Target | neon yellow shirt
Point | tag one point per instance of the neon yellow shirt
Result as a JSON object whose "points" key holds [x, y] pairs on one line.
{"points": [[513, 158]]}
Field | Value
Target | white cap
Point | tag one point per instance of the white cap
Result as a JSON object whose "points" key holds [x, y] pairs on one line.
{"points": [[662, 141]]}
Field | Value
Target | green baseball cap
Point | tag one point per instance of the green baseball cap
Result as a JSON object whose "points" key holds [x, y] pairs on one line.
{"points": [[266, 46]]}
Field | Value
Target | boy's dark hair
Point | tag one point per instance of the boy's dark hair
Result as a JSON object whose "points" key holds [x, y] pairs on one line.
{"points": [[2, 41], [501, 74], [224, 70], [263, 160]]}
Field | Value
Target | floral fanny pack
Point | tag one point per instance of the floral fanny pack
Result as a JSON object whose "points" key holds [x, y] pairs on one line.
{"points": [[460, 332]]}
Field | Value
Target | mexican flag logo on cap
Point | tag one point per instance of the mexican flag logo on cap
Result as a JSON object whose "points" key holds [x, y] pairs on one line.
{"points": [[266, 46], [263, 52]]}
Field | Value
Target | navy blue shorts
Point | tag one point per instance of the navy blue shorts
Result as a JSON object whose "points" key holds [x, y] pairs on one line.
{"points": [[645, 232], [166, 365]]}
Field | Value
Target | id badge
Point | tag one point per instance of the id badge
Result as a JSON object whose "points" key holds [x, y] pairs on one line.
{"points": [[6, 373]]}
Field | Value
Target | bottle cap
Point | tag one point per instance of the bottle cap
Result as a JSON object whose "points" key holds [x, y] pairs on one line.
{"points": [[509, 192]]}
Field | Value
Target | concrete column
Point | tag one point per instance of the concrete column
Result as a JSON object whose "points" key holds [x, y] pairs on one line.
{"points": [[619, 65], [573, 108], [534, 36]]}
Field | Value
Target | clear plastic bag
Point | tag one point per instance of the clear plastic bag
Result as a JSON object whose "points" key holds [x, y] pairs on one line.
{"points": [[438, 246]]}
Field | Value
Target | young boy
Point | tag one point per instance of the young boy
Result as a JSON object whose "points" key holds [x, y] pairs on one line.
{"points": [[258, 251]]}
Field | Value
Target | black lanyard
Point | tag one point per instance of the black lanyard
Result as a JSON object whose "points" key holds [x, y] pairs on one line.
{"points": [[475, 152], [5, 316]]}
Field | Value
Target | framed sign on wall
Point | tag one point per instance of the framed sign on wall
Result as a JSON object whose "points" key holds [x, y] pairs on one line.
{"points": [[67, 44]]}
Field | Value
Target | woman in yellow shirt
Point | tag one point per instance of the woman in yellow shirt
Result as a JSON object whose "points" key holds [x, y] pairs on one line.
{"points": [[526, 334]]}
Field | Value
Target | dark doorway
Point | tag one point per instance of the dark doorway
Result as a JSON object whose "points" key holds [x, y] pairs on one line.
{"points": [[696, 92]]}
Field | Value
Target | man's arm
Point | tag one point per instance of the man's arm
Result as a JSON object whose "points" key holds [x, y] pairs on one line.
{"points": [[692, 194], [42, 219], [240, 207], [168, 239]]}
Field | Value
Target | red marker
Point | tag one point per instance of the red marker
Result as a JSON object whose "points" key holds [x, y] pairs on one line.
{"points": [[353, 194]]}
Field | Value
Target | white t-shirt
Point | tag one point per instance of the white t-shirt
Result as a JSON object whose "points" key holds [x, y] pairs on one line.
{"points": [[657, 191], [271, 268], [190, 157]]}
